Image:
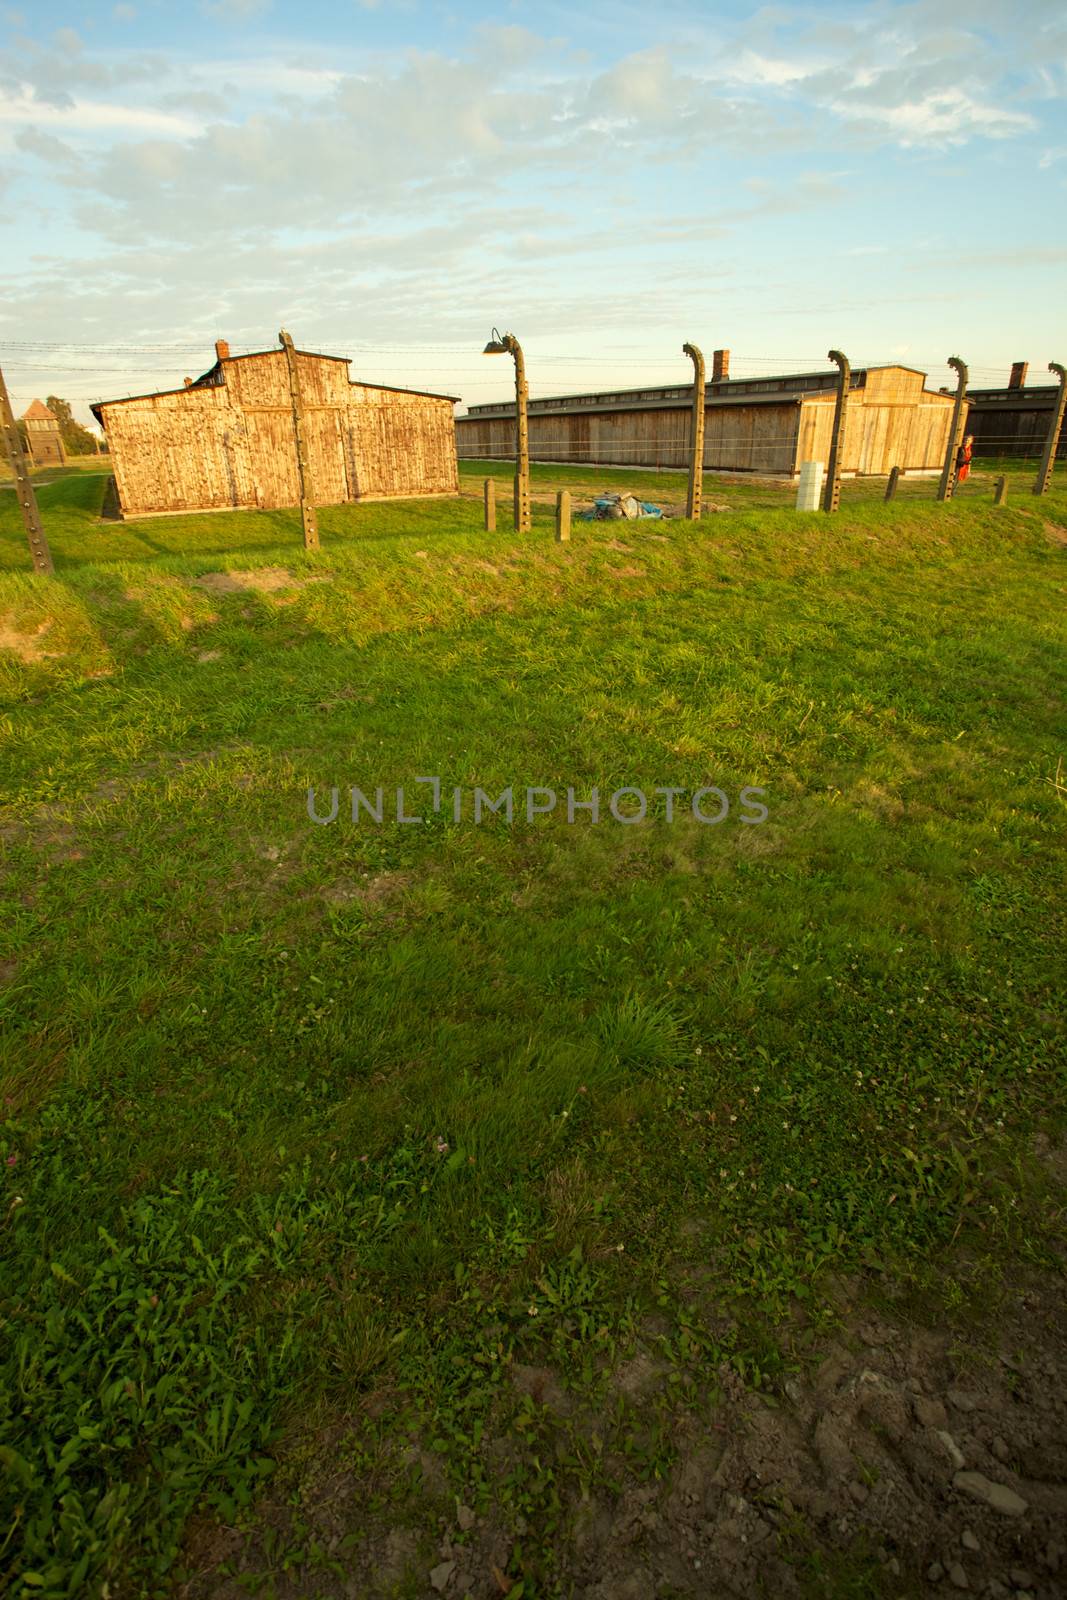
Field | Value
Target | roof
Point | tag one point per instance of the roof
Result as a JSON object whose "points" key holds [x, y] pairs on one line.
{"points": [[213, 378], [779, 390], [571, 406], [1038, 396], [37, 411]]}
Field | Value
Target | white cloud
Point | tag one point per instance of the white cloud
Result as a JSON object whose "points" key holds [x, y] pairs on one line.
{"points": [[90, 116], [929, 73], [947, 116], [753, 68], [237, 9]]}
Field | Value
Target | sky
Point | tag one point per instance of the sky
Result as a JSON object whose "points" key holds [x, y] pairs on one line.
{"points": [[392, 179]]}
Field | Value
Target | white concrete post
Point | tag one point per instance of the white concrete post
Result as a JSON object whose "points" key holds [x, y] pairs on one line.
{"points": [[809, 488]]}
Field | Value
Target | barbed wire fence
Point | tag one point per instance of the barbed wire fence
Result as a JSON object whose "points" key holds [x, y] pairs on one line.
{"points": [[143, 368]]}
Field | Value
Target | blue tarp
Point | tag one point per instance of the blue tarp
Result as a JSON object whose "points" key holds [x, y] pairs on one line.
{"points": [[615, 507]]}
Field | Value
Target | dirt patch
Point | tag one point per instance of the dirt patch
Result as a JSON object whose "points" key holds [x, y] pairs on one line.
{"points": [[26, 646], [268, 580], [367, 891], [627, 572], [938, 1457], [1056, 533]]}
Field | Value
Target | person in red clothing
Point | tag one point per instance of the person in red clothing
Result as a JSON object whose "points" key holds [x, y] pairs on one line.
{"points": [[963, 459]]}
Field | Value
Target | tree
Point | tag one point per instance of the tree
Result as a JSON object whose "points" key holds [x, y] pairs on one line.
{"points": [[77, 441]]}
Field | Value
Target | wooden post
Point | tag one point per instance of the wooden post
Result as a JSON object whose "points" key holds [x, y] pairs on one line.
{"points": [[1000, 491], [303, 470], [891, 486], [832, 492], [563, 516], [1048, 460], [696, 442], [31, 517], [489, 495], [948, 471]]}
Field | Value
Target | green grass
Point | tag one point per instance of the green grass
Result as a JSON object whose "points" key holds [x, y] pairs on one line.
{"points": [[298, 1115]]}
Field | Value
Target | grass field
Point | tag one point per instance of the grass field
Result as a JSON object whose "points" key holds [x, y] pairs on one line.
{"points": [[322, 1130]]}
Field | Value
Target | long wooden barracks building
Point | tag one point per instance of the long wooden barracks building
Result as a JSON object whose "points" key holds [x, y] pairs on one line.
{"points": [[228, 438], [1014, 420], [764, 425]]}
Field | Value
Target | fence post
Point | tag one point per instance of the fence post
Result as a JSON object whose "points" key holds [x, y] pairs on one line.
{"points": [[1000, 491], [948, 471], [1048, 460], [490, 505], [31, 517], [832, 492], [563, 515], [891, 486], [696, 444], [523, 513], [303, 470]]}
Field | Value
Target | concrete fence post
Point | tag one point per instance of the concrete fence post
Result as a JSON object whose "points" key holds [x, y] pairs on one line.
{"points": [[563, 516], [696, 442], [308, 515], [1048, 460], [1000, 492], [891, 486], [489, 492], [832, 492], [31, 517], [959, 417]]}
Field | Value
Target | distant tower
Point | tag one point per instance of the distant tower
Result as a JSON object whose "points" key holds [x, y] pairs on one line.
{"points": [[43, 436]]}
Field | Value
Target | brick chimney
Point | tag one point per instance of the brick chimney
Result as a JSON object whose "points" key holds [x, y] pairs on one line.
{"points": [[1019, 369], [188, 383], [720, 366], [222, 350]]}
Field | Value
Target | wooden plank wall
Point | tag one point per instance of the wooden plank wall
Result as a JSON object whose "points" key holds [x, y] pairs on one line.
{"points": [[892, 420], [233, 445], [403, 444], [740, 438], [1015, 430]]}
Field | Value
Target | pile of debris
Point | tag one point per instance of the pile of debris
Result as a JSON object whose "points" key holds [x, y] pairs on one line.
{"points": [[614, 507]]}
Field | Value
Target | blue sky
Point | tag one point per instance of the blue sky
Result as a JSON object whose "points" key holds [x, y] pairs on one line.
{"points": [[390, 180]]}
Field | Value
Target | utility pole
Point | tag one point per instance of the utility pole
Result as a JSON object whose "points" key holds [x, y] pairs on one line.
{"points": [[832, 492], [948, 471], [696, 444], [31, 517], [1048, 460], [303, 470]]}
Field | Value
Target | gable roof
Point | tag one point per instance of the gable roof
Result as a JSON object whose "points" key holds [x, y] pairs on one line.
{"points": [[213, 378], [37, 411]]}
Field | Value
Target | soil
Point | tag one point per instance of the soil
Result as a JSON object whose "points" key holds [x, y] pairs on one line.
{"points": [[884, 1454], [27, 646], [269, 580]]}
